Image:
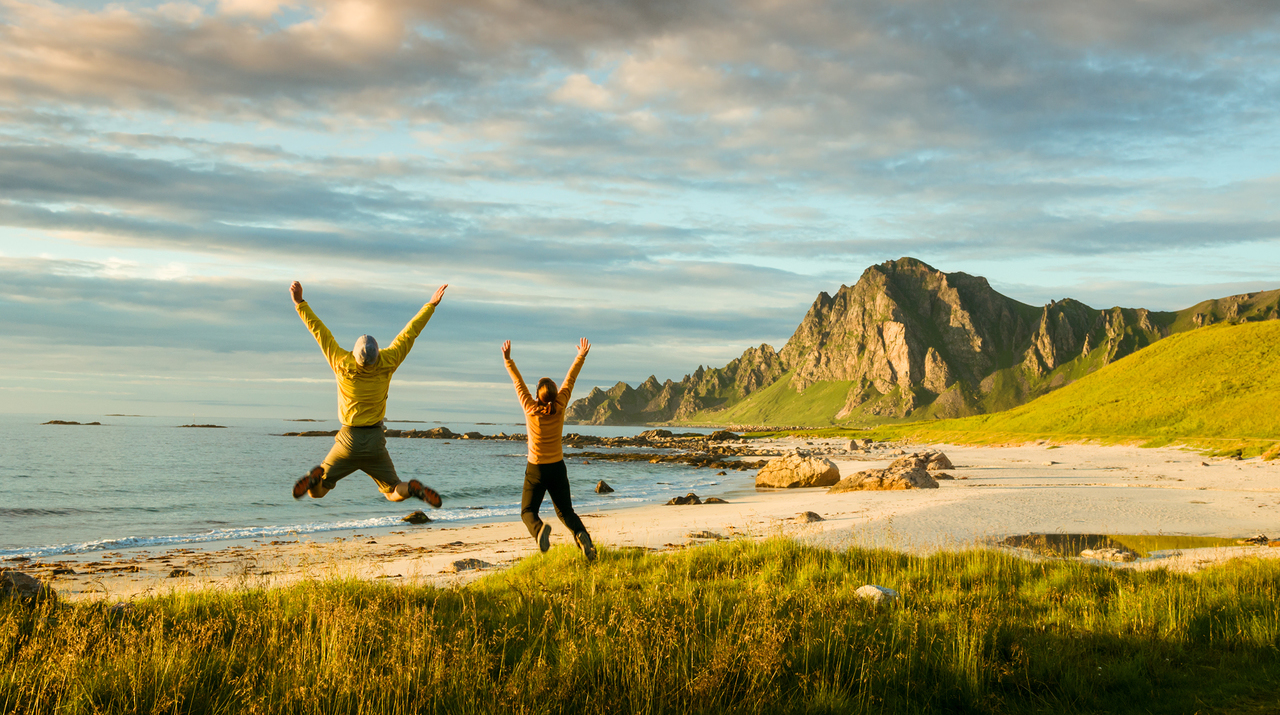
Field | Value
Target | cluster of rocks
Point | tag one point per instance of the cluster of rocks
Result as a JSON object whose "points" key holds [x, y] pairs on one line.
{"points": [[911, 471], [692, 498], [697, 460], [433, 433]]}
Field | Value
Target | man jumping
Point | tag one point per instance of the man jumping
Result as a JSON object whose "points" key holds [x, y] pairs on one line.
{"points": [[364, 378]]}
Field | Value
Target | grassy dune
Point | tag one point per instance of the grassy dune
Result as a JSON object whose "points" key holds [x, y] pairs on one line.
{"points": [[742, 626], [1216, 385]]}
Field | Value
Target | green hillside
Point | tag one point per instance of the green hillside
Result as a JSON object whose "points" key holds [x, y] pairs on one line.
{"points": [[1217, 382], [780, 404]]}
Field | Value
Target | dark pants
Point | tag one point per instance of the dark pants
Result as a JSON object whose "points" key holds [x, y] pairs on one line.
{"points": [[539, 479]]}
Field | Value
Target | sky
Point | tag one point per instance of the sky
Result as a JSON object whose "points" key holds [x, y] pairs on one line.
{"points": [[677, 181]]}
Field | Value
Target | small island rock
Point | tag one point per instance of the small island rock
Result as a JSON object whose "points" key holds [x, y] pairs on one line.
{"points": [[602, 488]]}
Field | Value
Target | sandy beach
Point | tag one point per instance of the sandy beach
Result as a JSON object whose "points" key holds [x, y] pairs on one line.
{"points": [[997, 492]]}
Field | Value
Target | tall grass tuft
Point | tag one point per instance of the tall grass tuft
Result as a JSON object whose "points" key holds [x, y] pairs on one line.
{"points": [[742, 626]]}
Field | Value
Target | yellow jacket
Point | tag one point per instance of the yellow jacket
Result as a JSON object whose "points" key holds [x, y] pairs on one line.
{"points": [[545, 430], [362, 391]]}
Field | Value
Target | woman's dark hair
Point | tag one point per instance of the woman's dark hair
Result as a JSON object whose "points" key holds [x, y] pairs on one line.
{"points": [[547, 396]]}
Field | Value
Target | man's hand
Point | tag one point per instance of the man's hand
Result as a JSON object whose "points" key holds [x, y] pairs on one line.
{"points": [[435, 299], [506, 350], [295, 290], [583, 347]]}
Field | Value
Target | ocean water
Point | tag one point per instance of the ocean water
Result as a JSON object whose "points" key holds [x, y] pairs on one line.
{"points": [[144, 481]]}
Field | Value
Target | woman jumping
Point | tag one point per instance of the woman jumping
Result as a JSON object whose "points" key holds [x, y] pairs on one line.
{"points": [[545, 472]]}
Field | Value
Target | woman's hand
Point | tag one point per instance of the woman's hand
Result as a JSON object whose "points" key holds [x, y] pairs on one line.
{"points": [[295, 292], [583, 347], [506, 350]]}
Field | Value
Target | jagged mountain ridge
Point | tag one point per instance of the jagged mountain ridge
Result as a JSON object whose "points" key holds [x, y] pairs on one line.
{"points": [[913, 342]]}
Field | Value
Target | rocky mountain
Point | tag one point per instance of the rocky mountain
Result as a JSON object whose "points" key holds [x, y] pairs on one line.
{"points": [[909, 341], [704, 390]]}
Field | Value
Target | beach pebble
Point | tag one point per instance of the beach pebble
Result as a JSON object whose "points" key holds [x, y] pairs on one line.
{"points": [[809, 517], [602, 488], [466, 565], [1050, 463], [877, 594]]}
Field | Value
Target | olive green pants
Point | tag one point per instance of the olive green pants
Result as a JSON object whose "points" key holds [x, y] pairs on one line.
{"points": [[362, 448]]}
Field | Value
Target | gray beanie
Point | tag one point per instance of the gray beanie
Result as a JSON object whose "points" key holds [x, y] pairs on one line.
{"points": [[366, 351]]}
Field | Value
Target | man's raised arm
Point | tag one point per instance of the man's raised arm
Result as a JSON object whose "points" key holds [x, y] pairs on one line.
{"points": [[333, 352], [398, 350]]}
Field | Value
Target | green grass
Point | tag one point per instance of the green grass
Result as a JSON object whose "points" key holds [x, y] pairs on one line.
{"points": [[781, 404], [1217, 387], [740, 626]]}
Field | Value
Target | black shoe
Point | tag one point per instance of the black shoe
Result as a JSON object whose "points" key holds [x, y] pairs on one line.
{"points": [[544, 538], [584, 543]]}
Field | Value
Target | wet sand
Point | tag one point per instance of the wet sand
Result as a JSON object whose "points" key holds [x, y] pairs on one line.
{"points": [[997, 492]]}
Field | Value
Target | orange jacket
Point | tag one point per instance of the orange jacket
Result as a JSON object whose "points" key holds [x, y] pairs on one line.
{"points": [[545, 431]]}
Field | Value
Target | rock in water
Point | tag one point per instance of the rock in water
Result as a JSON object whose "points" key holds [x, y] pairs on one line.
{"points": [[602, 488], [793, 470], [15, 584], [809, 517], [417, 517], [877, 594], [904, 477]]}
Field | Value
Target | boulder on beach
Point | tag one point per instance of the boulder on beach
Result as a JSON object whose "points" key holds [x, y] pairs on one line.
{"points": [[796, 470], [897, 476], [417, 517], [809, 517], [705, 535], [714, 500], [180, 573], [721, 435], [603, 488], [15, 584], [689, 498]]}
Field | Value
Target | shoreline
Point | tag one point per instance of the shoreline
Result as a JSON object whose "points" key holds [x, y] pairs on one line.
{"points": [[998, 492]]}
